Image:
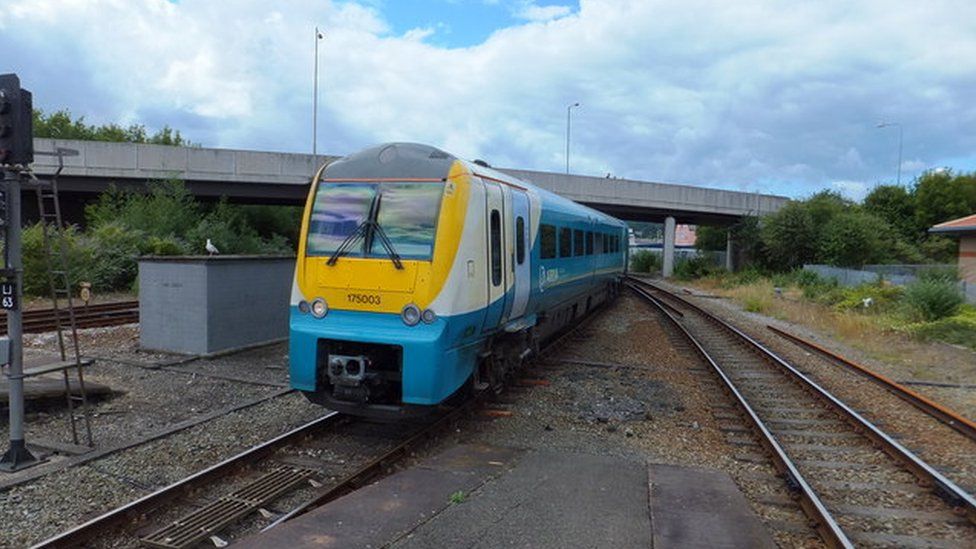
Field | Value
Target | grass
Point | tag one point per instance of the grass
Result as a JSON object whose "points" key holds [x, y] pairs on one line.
{"points": [[879, 330], [458, 497]]}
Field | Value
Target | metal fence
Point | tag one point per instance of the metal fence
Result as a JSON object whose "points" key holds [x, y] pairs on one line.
{"points": [[900, 275]]}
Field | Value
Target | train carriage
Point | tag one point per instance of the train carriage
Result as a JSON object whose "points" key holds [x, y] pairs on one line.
{"points": [[420, 274]]}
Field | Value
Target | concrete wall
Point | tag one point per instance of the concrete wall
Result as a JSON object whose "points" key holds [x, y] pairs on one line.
{"points": [[687, 203], [244, 174], [202, 305], [138, 161]]}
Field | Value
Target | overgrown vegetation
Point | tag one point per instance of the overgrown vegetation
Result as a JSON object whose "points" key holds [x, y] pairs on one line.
{"points": [[645, 261], [932, 308], [60, 125], [164, 221], [890, 226]]}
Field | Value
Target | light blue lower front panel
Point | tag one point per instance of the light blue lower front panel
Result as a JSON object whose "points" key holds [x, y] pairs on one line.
{"points": [[437, 358]]}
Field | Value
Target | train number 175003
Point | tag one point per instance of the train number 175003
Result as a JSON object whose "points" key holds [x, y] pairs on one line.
{"points": [[365, 299]]}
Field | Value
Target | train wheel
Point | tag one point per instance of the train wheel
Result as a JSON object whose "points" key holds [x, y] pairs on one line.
{"points": [[496, 374]]}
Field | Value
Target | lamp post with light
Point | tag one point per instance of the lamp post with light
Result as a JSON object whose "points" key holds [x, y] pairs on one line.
{"points": [[568, 111], [900, 141], [315, 101]]}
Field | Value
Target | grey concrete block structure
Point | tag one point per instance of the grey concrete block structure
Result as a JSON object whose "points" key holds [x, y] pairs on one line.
{"points": [[207, 304]]}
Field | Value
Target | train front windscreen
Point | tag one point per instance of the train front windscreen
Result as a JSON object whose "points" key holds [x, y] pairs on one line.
{"points": [[405, 212]]}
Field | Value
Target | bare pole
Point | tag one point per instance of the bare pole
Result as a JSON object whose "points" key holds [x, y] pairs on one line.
{"points": [[568, 110], [315, 102], [901, 139]]}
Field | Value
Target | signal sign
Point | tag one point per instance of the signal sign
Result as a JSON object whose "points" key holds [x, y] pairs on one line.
{"points": [[8, 296], [16, 122]]}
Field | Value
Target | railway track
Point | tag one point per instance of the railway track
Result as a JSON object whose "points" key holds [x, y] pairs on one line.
{"points": [[858, 485], [273, 468], [91, 316]]}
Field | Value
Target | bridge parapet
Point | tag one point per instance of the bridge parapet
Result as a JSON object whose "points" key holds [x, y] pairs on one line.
{"points": [[99, 159]]}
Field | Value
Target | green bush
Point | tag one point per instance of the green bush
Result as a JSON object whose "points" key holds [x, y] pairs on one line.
{"points": [[645, 261], [930, 300], [695, 267], [855, 238], [169, 245], [940, 273], [959, 329], [114, 252], [883, 297], [36, 261]]}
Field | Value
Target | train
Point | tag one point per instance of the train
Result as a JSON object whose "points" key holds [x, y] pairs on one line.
{"points": [[421, 276]]}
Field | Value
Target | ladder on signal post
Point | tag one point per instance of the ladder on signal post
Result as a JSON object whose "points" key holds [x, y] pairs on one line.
{"points": [[59, 282]]}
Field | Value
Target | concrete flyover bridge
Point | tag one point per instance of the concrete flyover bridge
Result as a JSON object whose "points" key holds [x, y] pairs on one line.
{"points": [[283, 178]]}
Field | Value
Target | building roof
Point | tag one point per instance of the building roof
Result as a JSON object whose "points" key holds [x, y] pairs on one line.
{"points": [[962, 225]]}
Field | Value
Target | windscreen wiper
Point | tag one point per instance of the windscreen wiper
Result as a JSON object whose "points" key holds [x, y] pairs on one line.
{"points": [[387, 245], [348, 242]]}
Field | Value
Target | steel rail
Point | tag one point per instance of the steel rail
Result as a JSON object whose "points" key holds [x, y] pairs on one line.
{"points": [[103, 314], [944, 487], [809, 500], [944, 414], [375, 467], [141, 506]]}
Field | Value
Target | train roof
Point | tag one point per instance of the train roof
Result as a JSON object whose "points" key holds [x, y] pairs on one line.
{"points": [[417, 161]]}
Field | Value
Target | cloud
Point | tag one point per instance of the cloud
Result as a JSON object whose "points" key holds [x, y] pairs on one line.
{"points": [[854, 190], [531, 12], [743, 95]]}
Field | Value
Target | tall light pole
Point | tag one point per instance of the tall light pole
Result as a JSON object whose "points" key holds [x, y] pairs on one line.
{"points": [[315, 102], [900, 142], [568, 110]]}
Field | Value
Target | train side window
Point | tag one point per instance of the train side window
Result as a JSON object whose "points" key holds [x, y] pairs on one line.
{"points": [[589, 243], [579, 247], [520, 240], [565, 242], [599, 244], [614, 243], [496, 248], [606, 243], [547, 241]]}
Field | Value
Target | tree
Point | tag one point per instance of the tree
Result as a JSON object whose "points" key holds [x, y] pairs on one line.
{"points": [[790, 237], [825, 205], [710, 238], [60, 125], [941, 196], [896, 205], [855, 238]]}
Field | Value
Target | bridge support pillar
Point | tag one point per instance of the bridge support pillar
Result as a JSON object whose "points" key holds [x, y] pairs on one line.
{"points": [[729, 252], [668, 259]]}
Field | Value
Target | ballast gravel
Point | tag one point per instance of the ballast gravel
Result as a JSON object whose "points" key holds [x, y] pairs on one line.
{"points": [[625, 386]]}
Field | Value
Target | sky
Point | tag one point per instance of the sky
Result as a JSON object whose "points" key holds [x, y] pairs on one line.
{"points": [[761, 96]]}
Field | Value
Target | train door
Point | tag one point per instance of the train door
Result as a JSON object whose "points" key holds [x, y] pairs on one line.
{"points": [[497, 271], [520, 256]]}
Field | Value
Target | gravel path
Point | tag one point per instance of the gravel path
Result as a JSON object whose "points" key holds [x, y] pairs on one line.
{"points": [[151, 392], [655, 405]]}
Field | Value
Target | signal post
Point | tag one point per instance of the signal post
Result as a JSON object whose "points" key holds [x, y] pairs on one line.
{"points": [[16, 154]]}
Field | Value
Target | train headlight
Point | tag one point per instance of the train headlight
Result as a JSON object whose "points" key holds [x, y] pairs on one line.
{"points": [[304, 307], [428, 316], [410, 315], [319, 308]]}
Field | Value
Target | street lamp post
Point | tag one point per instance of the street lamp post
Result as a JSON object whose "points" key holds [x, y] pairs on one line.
{"points": [[900, 142], [315, 102], [568, 110]]}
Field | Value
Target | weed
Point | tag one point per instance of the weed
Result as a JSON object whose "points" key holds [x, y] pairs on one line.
{"points": [[931, 300], [645, 261], [458, 497]]}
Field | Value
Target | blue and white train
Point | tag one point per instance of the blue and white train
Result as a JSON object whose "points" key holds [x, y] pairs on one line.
{"points": [[420, 275]]}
